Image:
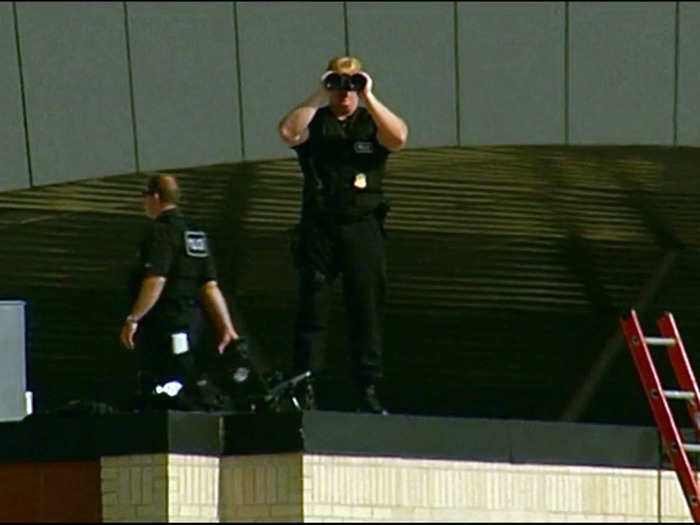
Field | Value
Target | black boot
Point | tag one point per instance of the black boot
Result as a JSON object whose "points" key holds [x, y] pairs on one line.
{"points": [[369, 402]]}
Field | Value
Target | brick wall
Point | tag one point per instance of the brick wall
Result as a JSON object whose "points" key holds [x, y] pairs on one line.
{"points": [[262, 488], [135, 488], [392, 489], [193, 488], [307, 487], [160, 487]]}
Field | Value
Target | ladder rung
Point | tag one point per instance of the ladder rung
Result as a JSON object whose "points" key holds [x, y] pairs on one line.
{"points": [[679, 394], [661, 341], [692, 447]]}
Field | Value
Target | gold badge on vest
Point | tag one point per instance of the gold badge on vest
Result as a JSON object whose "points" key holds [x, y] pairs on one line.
{"points": [[360, 181]]}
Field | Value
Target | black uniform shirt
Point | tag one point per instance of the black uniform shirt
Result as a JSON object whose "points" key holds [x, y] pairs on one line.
{"points": [[175, 249], [343, 164]]}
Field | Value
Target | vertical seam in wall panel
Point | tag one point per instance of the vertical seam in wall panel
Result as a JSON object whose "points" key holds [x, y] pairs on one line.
{"points": [[566, 73], [238, 77], [676, 59], [455, 14], [22, 96], [131, 88], [347, 32]]}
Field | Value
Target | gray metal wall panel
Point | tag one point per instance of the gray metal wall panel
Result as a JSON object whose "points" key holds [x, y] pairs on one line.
{"points": [[284, 47], [13, 154], [621, 72], [408, 49], [511, 72], [12, 361], [689, 74], [183, 59], [76, 88]]}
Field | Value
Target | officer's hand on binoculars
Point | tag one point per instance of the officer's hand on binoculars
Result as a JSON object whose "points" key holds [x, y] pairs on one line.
{"points": [[323, 88], [368, 85], [127, 335]]}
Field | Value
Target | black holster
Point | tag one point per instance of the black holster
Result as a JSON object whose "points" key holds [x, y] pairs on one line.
{"points": [[380, 212], [312, 247]]}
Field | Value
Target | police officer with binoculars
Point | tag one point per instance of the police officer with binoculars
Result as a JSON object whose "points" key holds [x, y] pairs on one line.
{"points": [[342, 150]]}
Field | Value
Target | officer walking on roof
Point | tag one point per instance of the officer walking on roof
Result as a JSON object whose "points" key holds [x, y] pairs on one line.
{"points": [[342, 150], [175, 273]]}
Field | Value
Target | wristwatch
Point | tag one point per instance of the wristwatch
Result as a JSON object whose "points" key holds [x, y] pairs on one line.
{"points": [[131, 319]]}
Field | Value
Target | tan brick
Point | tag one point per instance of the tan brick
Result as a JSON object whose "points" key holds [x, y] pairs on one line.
{"points": [[422, 514], [381, 513], [109, 514], [249, 485], [270, 491], [361, 512], [110, 498], [147, 485], [109, 486], [237, 488], [135, 485], [108, 473], [285, 510], [138, 460], [317, 510], [189, 511], [251, 511], [150, 512]]}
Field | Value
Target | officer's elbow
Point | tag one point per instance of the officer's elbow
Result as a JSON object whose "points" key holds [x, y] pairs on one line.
{"points": [[399, 143], [394, 139], [402, 137], [209, 287], [287, 135], [155, 281], [396, 143]]}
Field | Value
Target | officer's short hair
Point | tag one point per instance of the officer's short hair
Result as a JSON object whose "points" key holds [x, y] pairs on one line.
{"points": [[166, 187], [344, 65]]}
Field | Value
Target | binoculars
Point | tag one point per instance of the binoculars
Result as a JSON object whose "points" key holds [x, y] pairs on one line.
{"points": [[336, 82]]}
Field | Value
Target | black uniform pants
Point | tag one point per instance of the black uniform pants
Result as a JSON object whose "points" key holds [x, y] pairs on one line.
{"points": [[156, 361], [355, 250]]}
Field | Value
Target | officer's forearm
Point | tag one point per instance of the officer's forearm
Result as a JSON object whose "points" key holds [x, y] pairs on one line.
{"points": [[215, 305], [151, 288], [298, 119], [392, 132]]}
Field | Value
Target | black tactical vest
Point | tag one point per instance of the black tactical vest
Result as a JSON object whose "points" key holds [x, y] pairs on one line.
{"points": [[343, 165]]}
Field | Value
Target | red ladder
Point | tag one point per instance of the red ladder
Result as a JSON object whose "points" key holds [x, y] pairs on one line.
{"points": [[657, 396]]}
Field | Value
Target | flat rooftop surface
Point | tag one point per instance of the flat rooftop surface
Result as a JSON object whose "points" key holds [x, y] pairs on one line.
{"points": [[80, 437]]}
